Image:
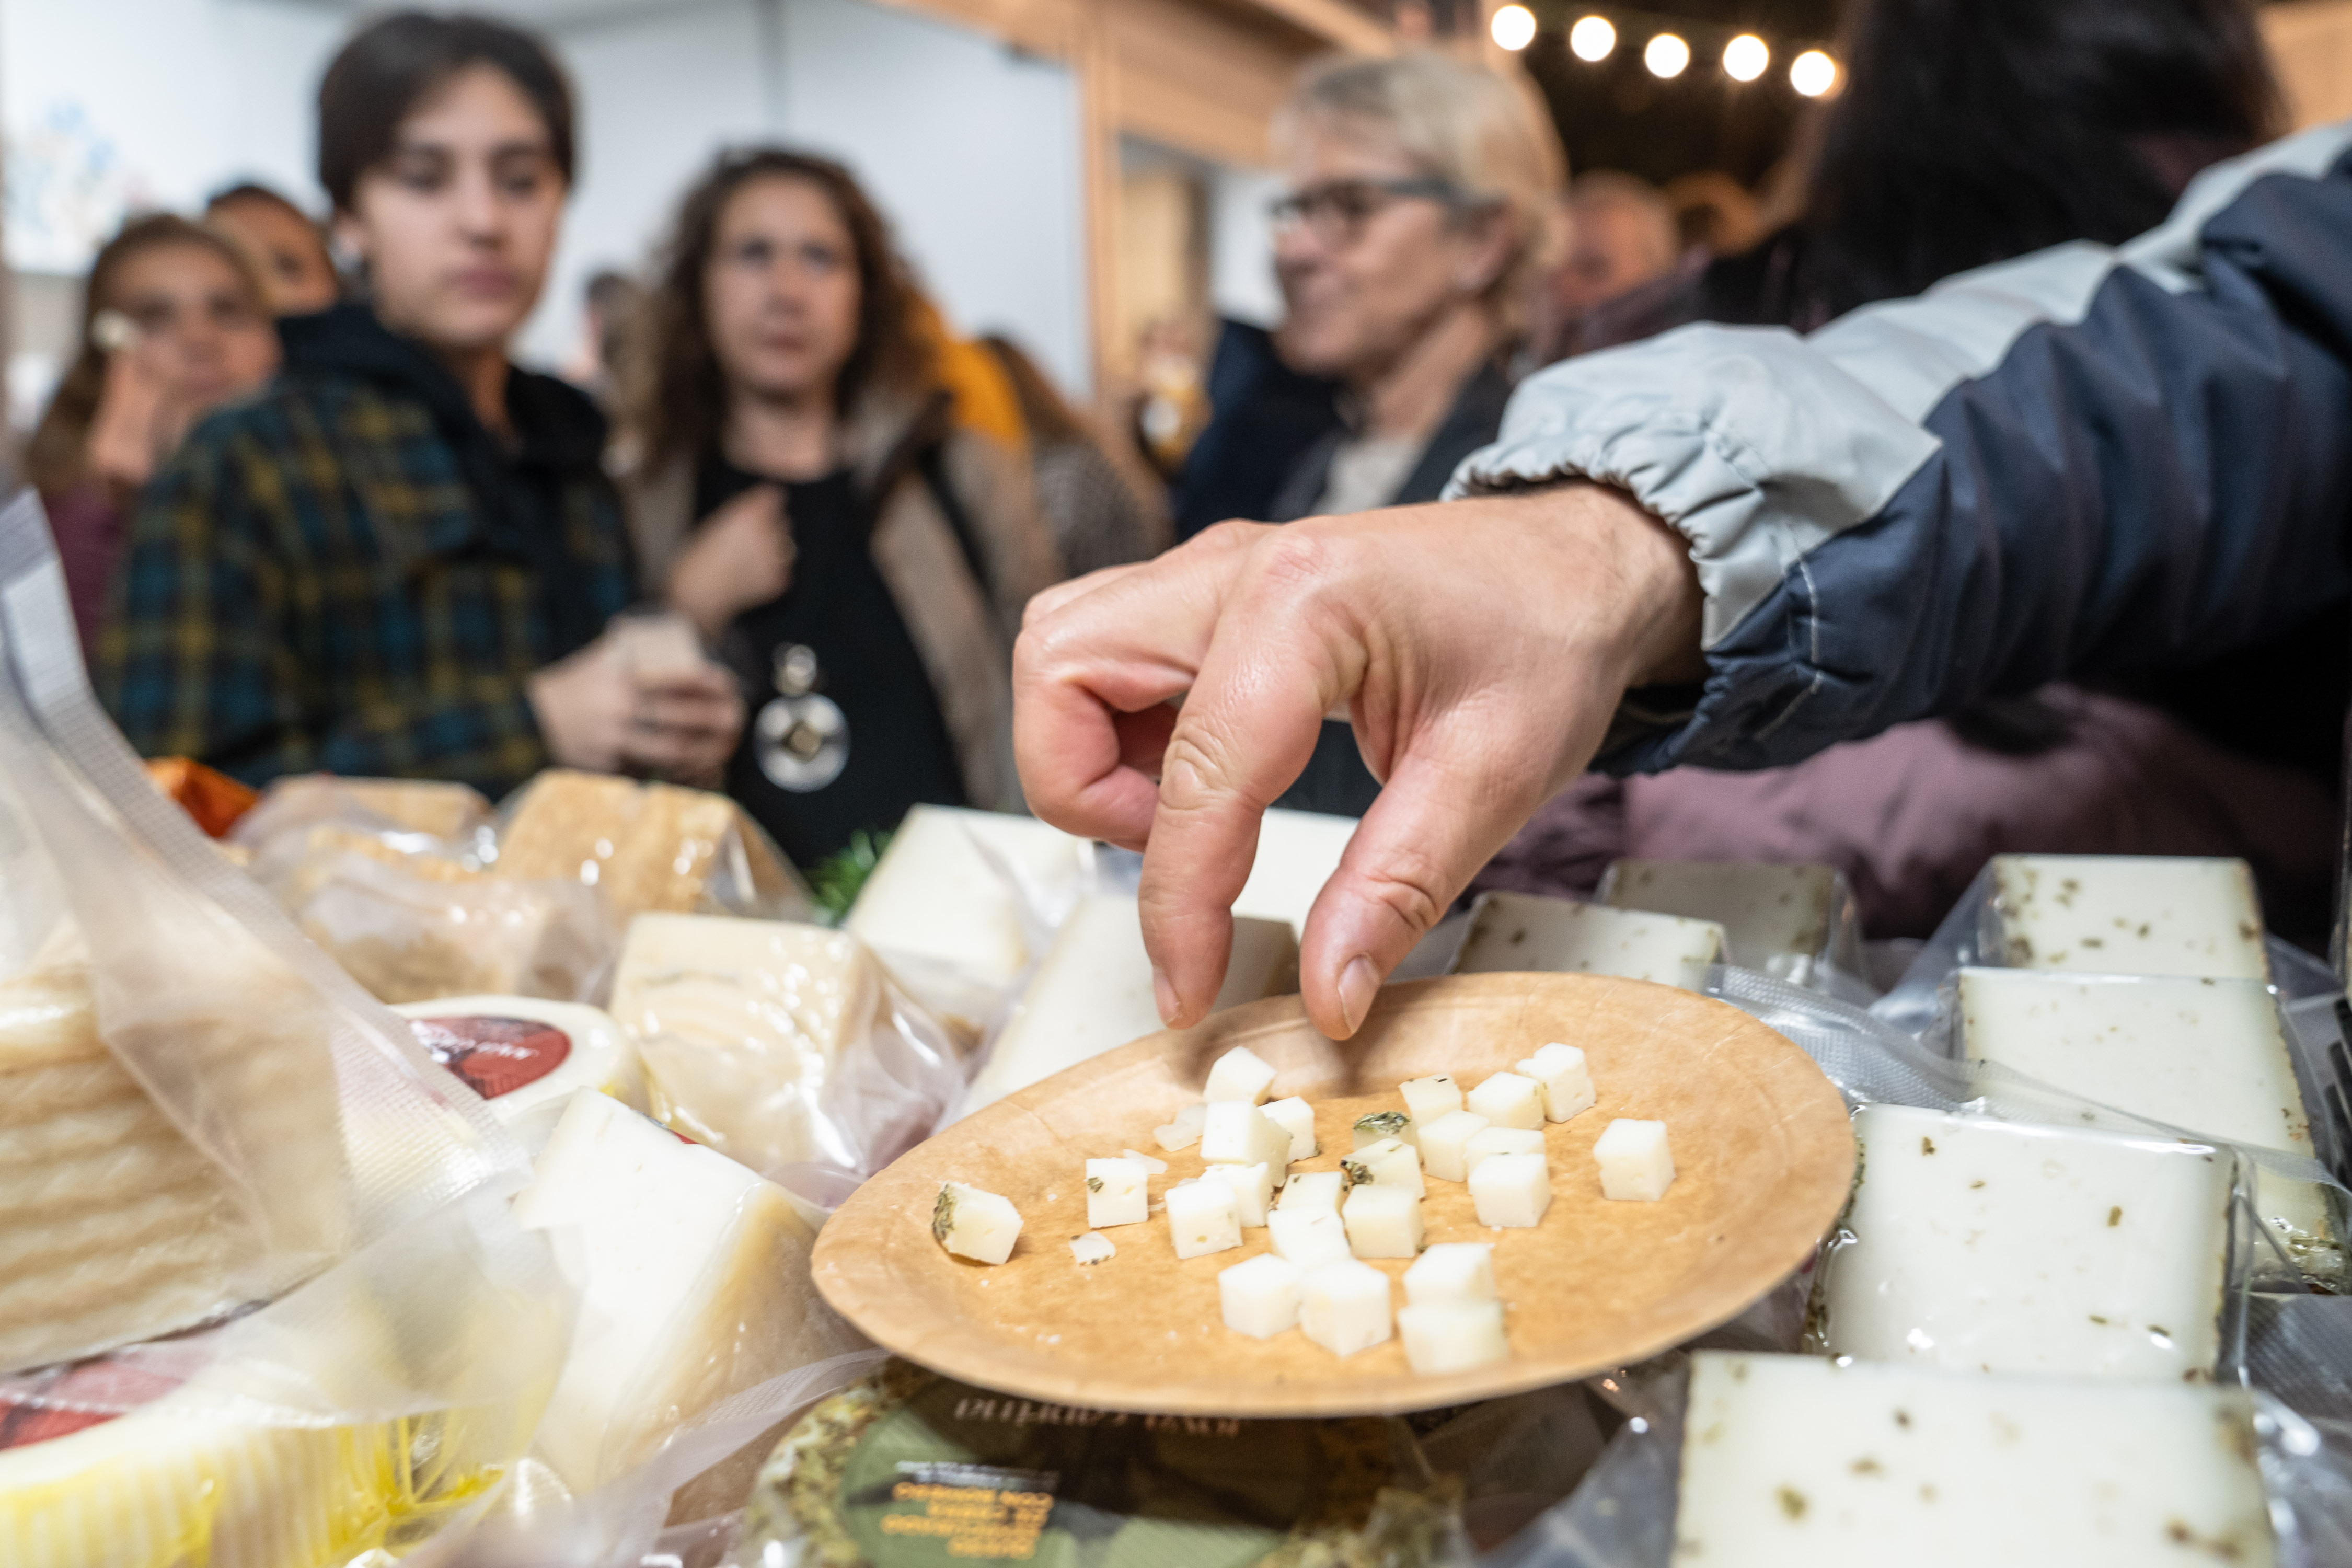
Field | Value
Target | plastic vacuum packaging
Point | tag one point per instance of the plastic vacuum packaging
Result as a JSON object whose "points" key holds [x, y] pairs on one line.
{"points": [[1516, 931], [1796, 924], [646, 848], [526, 1056]]}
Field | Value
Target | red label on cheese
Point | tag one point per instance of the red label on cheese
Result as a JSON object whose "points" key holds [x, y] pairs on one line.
{"points": [[62, 1403], [494, 1055]]}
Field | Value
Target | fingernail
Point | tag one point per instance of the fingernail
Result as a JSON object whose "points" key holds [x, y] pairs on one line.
{"points": [[1359, 983], [1165, 995]]}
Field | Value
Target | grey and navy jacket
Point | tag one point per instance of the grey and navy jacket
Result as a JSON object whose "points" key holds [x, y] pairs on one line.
{"points": [[2091, 461]]}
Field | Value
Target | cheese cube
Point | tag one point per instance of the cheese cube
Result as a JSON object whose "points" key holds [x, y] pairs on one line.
{"points": [[1092, 1248], [1804, 1462], [1493, 1140], [1236, 1132], [1344, 1307], [1184, 1131], [1388, 1163], [1115, 1193], [1514, 931], [1427, 1098], [1204, 1217], [1452, 1273], [1454, 1336], [2003, 1247], [1240, 1074], [1511, 1190], [1635, 1162], [1507, 1099], [973, 1224], [1382, 1221], [1315, 1190], [1567, 1081], [1445, 1143], [1308, 1237], [1776, 919], [1369, 1130], [1253, 1188], [1295, 1117], [1260, 1297], [2128, 915]]}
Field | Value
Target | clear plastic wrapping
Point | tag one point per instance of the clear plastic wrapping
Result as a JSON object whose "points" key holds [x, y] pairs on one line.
{"points": [[1797, 923]]}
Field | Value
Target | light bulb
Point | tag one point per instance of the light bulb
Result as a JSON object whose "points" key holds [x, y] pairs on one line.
{"points": [[1745, 57], [1591, 38], [1666, 56], [1812, 73], [1514, 27]]}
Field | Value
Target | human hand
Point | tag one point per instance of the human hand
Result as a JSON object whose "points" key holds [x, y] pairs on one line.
{"points": [[595, 713], [741, 557], [138, 420], [1480, 648]]}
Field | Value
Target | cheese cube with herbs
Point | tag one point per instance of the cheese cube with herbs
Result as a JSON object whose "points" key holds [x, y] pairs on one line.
{"points": [[1804, 1462], [1260, 1297], [1371, 1129], [1236, 1133], [1387, 1164], [1092, 1248], [1344, 1307], [1985, 1245], [1492, 1141], [1116, 1193], [1427, 1098], [1382, 1221], [1253, 1188], [1511, 1191], [1515, 932], [1445, 1143], [1776, 919], [1240, 1074], [1566, 1080], [1452, 1336], [2128, 915], [976, 1224], [1295, 1117], [1315, 1190], [1635, 1164], [1452, 1273], [1204, 1217], [1507, 1099], [1308, 1237]]}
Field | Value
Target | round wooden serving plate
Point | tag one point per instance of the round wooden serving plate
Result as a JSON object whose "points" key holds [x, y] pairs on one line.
{"points": [[1763, 1155]]}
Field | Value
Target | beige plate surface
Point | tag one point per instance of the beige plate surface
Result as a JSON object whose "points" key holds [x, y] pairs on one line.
{"points": [[1762, 1149]]}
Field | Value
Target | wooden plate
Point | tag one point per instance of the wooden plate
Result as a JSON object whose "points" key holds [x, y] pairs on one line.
{"points": [[1763, 1153]]}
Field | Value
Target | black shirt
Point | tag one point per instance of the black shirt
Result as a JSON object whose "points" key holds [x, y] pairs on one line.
{"points": [[899, 753]]}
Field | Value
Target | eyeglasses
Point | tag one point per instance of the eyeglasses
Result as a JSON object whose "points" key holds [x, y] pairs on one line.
{"points": [[1336, 211]]}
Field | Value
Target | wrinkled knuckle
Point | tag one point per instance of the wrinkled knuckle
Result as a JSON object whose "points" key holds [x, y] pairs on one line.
{"points": [[1414, 886], [1299, 561], [1195, 768]]}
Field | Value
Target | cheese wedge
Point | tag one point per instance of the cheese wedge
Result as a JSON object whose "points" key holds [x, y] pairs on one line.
{"points": [[2127, 914], [646, 848], [1297, 853], [1801, 1462], [1780, 919], [939, 898], [1516, 931]]}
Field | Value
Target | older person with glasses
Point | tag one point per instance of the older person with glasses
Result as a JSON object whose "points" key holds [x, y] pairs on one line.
{"points": [[1418, 217]]}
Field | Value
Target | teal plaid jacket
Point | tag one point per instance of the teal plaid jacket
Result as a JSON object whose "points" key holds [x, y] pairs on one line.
{"points": [[317, 581]]}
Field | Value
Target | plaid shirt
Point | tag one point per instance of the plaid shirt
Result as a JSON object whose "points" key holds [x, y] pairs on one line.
{"points": [[312, 583]]}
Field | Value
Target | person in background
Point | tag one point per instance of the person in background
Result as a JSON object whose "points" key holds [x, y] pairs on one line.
{"points": [[1713, 213], [1098, 517], [1622, 234], [801, 488], [399, 559], [172, 326], [287, 249], [609, 305]]}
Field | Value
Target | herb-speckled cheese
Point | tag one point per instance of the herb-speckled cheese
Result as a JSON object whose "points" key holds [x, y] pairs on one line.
{"points": [[1774, 918], [1516, 931], [2128, 915]]}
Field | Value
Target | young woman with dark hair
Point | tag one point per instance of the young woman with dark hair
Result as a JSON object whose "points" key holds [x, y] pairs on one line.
{"points": [[401, 559], [800, 492]]}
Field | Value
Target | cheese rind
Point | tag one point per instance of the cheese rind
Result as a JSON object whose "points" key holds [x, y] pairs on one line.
{"points": [[1344, 1307], [2128, 915], [1295, 1117], [1204, 1217], [970, 1223], [1635, 1164], [1452, 1336], [1382, 1221], [1446, 1144], [1240, 1074], [1515, 932], [1565, 1078], [1260, 1297], [1116, 1193], [1508, 1100], [1511, 1191], [1308, 1237]]}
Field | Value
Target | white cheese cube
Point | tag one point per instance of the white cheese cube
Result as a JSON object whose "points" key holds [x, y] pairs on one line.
{"points": [[1115, 1193], [1238, 1133], [1253, 1188], [1445, 1143], [1240, 1074], [1092, 1248], [1260, 1297], [1802, 1462], [1295, 1117], [1452, 1273], [973, 1224], [1313, 1190], [1344, 1307], [1427, 1098], [1308, 1237], [1635, 1164], [1387, 1163], [1507, 1100], [1184, 1131], [1371, 1129], [1774, 918], [1493, 1140], [1511, 1190], [1203, 1217], [1382, 1221], [2128, 915], [1452, 1336], [2004, 1246], [1514, 931], [1567, 1081]]}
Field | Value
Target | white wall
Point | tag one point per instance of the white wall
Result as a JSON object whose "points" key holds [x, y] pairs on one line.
{"points": [[1241, 245]]}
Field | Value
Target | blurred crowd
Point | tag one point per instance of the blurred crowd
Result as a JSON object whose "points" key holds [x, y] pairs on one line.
{"points": [[775, 531]]}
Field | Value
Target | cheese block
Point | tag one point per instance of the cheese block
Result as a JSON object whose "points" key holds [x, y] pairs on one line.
{"points": [[938, 900], [646, 848], [1297, 853], [1094, 991], [1512, 932], [1800, 1462], [2127, 914], [1776, 919], [447, 812], [526, 1056], [741, 1023], [2207, 1055], [1985, 1245], [421, 927], [693, 1286]]}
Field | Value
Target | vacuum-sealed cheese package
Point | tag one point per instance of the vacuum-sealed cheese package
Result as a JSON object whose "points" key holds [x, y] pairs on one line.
{"points": [[646, 848], [1527, 931], [1796, 924]]}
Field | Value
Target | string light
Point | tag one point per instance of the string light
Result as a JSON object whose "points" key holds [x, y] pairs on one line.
{"points": [[1514, 27], [1812, 73], [1666, 56], [1591, 38], [1745, 57]]}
